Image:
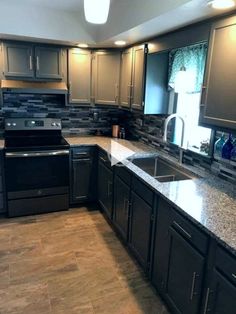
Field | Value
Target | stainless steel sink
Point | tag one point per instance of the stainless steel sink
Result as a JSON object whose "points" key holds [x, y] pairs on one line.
{"points": [[161, 169]]}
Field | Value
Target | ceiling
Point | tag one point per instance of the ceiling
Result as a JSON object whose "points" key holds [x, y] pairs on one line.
{"points": [[130, 20]]}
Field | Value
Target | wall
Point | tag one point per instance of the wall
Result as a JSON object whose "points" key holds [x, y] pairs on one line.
{"points": [[75, 119]]}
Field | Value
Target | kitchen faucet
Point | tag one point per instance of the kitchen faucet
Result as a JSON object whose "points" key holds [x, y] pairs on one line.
{"points": [[181, 146]]}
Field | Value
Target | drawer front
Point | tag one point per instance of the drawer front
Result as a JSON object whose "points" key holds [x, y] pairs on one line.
{"points": [[82, 152], [226, 263], [192, 233], [123, 174], [142, 190], [103, 157]]}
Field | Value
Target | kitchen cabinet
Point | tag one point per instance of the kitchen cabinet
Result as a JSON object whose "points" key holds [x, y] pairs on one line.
{"points": [[80, 71], [105, 184], [178, 264], [2, 185], [126, 78], [185, 275], [221, 287], [121, 213], [106, 77], [138, 76], [217, 107], [29, 61], [18, 60], [141, 215], [161, 245], [83, 174], [48, 62]]}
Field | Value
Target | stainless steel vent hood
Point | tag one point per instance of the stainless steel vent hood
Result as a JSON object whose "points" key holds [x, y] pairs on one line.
{"points": [[13, 86]]}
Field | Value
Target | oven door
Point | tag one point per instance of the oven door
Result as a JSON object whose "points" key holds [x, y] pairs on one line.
{"points": [[34, 174]]}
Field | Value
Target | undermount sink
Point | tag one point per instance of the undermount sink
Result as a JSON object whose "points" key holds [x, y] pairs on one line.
{"points": [[161, 169]]}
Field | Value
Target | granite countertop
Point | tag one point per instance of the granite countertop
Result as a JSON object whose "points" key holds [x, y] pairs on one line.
{"points": [[2, 143], [208, 201]]}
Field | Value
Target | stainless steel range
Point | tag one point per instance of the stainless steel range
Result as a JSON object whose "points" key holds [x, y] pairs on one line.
{"points": [[36, 166]]}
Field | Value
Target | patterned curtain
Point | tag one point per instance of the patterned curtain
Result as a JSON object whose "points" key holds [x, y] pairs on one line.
{"points": [[192, 59]]}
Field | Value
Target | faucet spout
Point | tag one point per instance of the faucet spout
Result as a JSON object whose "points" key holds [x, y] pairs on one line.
{"points": [[167, 121]]}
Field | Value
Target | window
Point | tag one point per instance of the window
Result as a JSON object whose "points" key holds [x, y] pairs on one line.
{"points": [[186, 70]]}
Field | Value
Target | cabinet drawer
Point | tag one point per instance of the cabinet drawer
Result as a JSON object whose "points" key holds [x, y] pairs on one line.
{"points": [[195, 236], [142, 190], [82, 152], [103, 157], [123, 174], [226, 263]]}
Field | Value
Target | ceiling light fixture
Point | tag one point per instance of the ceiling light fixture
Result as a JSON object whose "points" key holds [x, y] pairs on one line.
{"points": [[222, 4], [120, 43], [82, 45], [96, 11]]}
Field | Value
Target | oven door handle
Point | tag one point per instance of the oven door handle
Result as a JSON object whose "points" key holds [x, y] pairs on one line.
{"points": [[37, 154]]}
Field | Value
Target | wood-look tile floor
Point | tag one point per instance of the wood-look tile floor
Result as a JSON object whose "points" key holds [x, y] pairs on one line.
{"points": [[70, 263]]}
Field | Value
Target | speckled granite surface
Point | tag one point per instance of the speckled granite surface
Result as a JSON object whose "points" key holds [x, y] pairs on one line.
{"points": [[209, 201], [2, 143]]}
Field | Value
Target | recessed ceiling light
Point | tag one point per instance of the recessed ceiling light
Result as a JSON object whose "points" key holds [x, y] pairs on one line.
{"points": [[82, 45], [120, 42], [222, 4]]}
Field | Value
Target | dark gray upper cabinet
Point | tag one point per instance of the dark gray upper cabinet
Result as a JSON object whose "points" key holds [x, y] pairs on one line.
{"points": [[218, 95], [156, 93], [18, 60], [48, 63], [80, 70], [35, 62]]}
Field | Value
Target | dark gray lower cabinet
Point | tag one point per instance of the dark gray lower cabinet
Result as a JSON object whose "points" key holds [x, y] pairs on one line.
{"points": [[185, 275], [83, 175], [221, 296], [140, 229], [121, 206], [105, 188]]}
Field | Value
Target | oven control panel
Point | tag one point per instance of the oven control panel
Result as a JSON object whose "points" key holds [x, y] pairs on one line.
{"points": [[21, 124]]}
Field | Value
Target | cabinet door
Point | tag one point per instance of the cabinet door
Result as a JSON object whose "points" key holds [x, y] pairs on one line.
{"points": [[82, 183], [48, 63], [140, 229], [219, 93], [106, 77], [161, 246], [221, 297], [138, 73], [121, 206], [80, 76], [18, 60], [126, 76], [105, 188], [185, 273]]}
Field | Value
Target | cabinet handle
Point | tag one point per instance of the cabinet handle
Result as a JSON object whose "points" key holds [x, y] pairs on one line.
{"points": [[116, 92], [126, 207], [203, 96], [80, 154], [83, 159], [207, 300], [182, 229], [131, 91], [234, 276], [193, 285], [37, 63], [103, 159], [30, 63]]}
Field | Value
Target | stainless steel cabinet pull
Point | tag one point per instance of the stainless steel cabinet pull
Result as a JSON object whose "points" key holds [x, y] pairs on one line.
{"points": [[30, 63], [193, 285], [182, 229], [207, 300], [83, 159], [234, 276], [37, 63], [103, 159], [81, 154], [109, 184]]}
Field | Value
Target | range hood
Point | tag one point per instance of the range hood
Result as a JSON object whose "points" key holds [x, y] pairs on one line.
{"points": [[13, 86]]}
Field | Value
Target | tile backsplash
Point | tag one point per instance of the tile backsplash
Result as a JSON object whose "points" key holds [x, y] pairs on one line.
{"points": [[75, 119], [88, 120]]}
